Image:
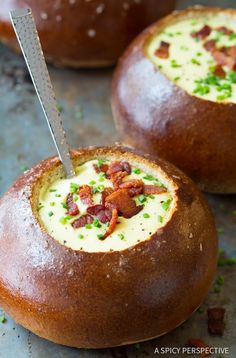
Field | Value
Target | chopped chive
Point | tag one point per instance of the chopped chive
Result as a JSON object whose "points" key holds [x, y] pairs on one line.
{"points": [[174, 64], [63, 220], [151, 196], [220, 280], [96, 223], [88, 226], [160, 219], [232, 36], [166, 204], [176, 78], [92, 182], [75, 197], [101, 179], [95, 190], [146, 215], [199, 54], [195, 62], [121, 236], [101, 187], [200, 89], [58, 195], [74, 187], [142, 198], [81, 236], [136, 171], [3, 319], [52, 203], [149, 177], [100, 236], [64, 205], [100, 162], [50, 213], [24, 168], [52, 190], [40, 206]]}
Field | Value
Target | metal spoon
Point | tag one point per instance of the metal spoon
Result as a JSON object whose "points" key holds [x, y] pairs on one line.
{"points": [[27, 35]]}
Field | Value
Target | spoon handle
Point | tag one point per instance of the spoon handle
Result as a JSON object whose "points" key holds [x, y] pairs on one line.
{"points": [[26, 32]]}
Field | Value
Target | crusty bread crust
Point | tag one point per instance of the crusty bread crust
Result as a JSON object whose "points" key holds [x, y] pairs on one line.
{"points": [[97, 300], [84, 33], [155, 115]]}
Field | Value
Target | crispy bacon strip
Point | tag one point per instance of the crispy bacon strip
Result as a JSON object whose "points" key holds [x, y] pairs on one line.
{"points": [[163, 50], [86, 195], [216, 320], [112, 224], [121, 201], [72, 208], [82, 221], [219, 71], [198, 343], [116, 167], [135, 191], [106, 192], [224, 30], [100, 212], [132, 183], [116, 179], [210, 45], [223, 59], [101, 169], [231, 52], [202, 33], [153, 189]]}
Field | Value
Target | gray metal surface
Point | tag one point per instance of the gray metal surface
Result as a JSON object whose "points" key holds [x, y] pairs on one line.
{"points": [[84, 98]]}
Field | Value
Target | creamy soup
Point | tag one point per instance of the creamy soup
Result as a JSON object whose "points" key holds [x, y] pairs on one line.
{"points": [[192, 63], [154, 210]]}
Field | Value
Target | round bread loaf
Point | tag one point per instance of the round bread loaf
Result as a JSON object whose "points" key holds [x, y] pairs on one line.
{"points": [[174, 94], [84, 33], [91, 290]]}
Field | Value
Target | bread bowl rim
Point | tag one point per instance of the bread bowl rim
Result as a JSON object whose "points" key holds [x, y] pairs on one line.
{"points": [[111, 153]]}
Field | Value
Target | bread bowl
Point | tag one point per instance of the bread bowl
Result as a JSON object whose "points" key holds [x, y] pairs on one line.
{"points": [[84, 33], [176, 99], [82, 289]]}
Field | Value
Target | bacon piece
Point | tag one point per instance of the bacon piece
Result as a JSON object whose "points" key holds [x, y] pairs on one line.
{"points": [[112, 224], [101, 169], [72, 208], [163, 50], [121, 201], [222, 59], [116, 167], [105, 193], [153, 189], [85, 194], [210, 45], [219, 71], [198, 343], [117, 178], [82, 221], [231, 52], [94, 210], [132, 183], [135, 191], [224, 30], [202, 33], [100, 212], [216, 320]]}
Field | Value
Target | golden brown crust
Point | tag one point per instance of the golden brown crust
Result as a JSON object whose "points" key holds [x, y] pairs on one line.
{"points": [[155, 115], [84, 33], [83, 299]]}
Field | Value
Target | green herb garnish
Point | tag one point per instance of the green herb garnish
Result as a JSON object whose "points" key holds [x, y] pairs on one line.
{"points": [[195, 62], [88, 226], [74, 187], [121, 236], [64, 205], [100, 162], [174, 64], [52, 203], [96, 223], [160, 219], [3, 319], [142, 198], [52, 190], [136, 170], [63, 220], [166, 204], [58, 195], [100, 236], [146, 215], [81, 236], [50, 213], [92, 182]]}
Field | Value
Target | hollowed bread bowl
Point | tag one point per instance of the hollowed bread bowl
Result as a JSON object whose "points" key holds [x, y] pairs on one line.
{"points": [[81, 33], [101, 298], [174, 94]]}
